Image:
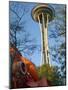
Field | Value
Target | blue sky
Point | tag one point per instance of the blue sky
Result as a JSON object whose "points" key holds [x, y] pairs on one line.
{"points": [[33, 28]]}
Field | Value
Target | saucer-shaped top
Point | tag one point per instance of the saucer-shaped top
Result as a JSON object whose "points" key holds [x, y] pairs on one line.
{"points": [[45, 9]]}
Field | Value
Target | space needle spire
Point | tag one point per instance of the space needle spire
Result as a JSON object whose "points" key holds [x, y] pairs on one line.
{"points": [[43, 14]]}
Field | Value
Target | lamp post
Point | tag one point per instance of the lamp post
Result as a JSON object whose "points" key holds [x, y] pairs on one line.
{"points": [[43, 14]]}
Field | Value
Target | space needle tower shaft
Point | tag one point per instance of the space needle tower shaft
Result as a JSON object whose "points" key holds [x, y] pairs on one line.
{"points": [[43, 14]]}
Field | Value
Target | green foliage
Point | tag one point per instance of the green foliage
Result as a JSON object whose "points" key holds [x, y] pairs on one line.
{"points": [[52, 74]]}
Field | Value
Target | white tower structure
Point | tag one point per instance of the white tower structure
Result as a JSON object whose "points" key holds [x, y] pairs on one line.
{"points": [[43, 14]]}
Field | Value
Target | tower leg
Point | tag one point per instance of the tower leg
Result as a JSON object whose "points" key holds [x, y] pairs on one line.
{"points": [[42, 57], [45, 38]]}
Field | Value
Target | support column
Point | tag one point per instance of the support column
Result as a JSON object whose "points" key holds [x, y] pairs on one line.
{"points": [[42, 55], [45, 38]]}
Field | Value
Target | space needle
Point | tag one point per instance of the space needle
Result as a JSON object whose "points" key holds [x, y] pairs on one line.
{"points": [[43, 14]]}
